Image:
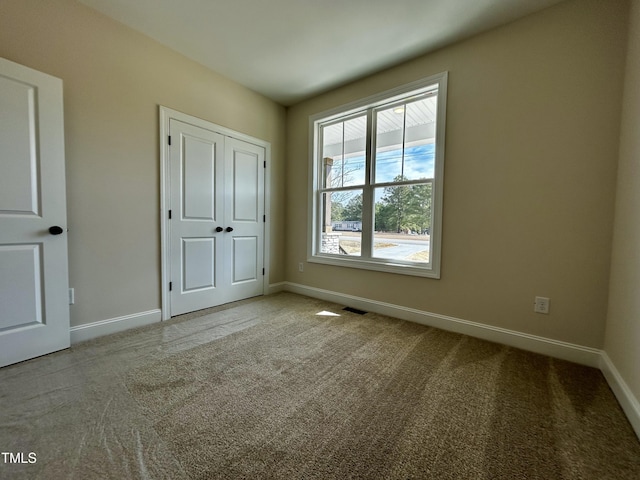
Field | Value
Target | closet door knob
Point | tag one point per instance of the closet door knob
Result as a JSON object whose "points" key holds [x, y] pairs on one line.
{"points": [[219, 229], [55, 230], [229, 229]]}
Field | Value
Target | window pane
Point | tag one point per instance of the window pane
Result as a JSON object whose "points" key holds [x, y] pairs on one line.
{"points": [[342, 222], [343, 153], [419, 162], [405, 141], [355, 135], [389, 144], [332, 155], [403, 223]]}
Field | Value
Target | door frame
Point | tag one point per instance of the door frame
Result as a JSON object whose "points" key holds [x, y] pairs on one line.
{"points": [[166, 114]]}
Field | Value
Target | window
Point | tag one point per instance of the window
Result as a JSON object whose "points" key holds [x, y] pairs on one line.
{"points": [[377, 181]]}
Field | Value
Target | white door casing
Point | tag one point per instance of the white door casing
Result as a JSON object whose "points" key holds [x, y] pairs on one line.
{"points": [[34, 307], [213, 215]]}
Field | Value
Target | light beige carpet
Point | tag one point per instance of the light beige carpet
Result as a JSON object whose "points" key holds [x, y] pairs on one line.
{"points": [[304, 396]]}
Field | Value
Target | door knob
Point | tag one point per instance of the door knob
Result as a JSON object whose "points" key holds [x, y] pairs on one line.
{"points": [[55, 230], [219, 229], [229, 229]]}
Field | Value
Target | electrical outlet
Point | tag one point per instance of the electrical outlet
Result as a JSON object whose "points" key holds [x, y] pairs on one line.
{"points": [[72, 296], [301, 267], [541, 305]]}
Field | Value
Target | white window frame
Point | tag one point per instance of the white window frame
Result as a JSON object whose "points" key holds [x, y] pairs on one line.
{"points": [[366, 105]]}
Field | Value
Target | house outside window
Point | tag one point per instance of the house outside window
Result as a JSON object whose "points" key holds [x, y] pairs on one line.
{"points": [[377, 179]]}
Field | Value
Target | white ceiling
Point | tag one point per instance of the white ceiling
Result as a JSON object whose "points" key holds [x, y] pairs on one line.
{"points": [[289, 50]]}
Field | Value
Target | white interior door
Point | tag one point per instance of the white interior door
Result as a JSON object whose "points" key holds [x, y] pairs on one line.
{"points": [[244, 184], [197, 210], [216, 225], [34, 307]]}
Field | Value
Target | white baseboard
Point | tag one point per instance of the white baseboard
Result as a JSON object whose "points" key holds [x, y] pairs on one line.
{"points": [[546, 346], [276, 287], [621, 390], [113, 325]]}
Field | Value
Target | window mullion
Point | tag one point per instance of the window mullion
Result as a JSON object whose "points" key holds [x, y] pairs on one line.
{"points": [[342, 158], [366, 247], [404, 136]]}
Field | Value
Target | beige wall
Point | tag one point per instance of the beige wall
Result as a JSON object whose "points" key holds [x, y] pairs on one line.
{"points": [[531, 151], [623, 324], [114, 80]]}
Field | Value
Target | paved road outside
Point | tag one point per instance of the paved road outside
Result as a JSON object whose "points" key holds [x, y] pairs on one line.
{"points": [[404, 245]]}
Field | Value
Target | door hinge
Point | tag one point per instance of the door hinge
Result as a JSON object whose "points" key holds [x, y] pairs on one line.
{"points": [[170, 286], [265, 164], [169, 214], [264, 218], [169, 139], [263, 271]]}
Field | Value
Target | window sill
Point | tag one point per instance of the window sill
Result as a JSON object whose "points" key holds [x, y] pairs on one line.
{"points": [[376, 265]]}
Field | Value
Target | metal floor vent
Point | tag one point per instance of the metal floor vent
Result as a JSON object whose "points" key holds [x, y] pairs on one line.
{"points": [[354, 310]]}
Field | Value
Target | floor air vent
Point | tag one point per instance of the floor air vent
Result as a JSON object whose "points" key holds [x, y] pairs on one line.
{"points": [[354, 310]]}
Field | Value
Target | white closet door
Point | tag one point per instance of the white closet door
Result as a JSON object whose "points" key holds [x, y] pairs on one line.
{"points": [[216, 226], [244, 184], [197, 198]]}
